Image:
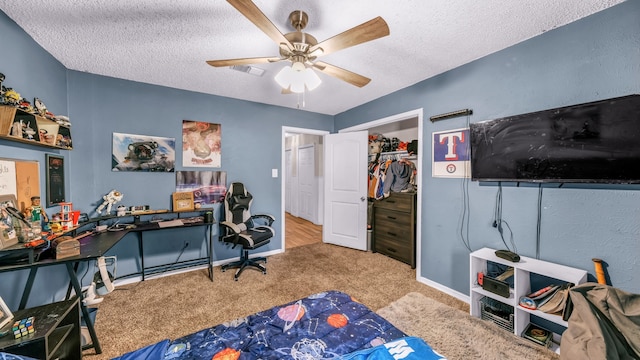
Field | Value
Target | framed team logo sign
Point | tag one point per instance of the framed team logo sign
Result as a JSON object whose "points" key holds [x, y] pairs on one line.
{"points": [[451, 154]]}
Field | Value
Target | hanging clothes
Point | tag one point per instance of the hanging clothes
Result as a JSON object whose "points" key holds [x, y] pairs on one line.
{"points": [[398, 177]]}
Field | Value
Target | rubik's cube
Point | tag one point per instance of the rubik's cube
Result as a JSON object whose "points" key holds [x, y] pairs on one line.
{"points": [[23, 327]]}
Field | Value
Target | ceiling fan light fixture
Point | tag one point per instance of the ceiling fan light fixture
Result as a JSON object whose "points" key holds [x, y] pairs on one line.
{"points": [[297, 80], [298, 66], [311, 79]]}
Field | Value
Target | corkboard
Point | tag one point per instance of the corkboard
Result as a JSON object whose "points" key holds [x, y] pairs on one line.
{"points": [[20, 178], [28, 182]]}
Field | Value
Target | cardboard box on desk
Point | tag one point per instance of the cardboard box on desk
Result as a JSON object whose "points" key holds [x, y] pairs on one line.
{"points": [[66, 246]]}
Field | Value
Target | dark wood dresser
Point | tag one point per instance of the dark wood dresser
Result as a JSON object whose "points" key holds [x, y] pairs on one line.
{"points": [[394, 227]]}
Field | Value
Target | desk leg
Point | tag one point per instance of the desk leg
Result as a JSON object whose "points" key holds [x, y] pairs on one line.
{"points": [[28, 287], [75, 270], [85, 313], [210, 252], [141, 249]]}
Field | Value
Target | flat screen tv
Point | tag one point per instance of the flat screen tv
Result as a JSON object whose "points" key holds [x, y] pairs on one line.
{"points": [[596, 142]]}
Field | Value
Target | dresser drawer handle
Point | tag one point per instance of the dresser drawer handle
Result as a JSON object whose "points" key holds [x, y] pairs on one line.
{"points": [[391, 201], [392, 250], [391, 217], [392, 234]]}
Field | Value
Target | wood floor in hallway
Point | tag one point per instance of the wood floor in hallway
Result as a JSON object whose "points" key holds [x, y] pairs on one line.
{"points": [[301, 232]]}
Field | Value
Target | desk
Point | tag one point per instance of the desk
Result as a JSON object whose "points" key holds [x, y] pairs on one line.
{"points": [[97, 245]]}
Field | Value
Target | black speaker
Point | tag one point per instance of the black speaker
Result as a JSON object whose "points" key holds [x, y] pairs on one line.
{"points": [[495, 286]]}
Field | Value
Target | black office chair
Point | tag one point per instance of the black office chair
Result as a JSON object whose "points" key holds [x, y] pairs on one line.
{"points": [[242, 228]]}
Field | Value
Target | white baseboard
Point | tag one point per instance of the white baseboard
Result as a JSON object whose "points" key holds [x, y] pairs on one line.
{"points": [[135, 279], [456, 294]]}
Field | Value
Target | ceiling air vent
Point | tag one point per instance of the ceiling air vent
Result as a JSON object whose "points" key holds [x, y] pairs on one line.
{"points": [[248, 69]]}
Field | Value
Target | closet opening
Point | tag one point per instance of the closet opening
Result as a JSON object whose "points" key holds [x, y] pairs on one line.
{"points": [[395, 147]]}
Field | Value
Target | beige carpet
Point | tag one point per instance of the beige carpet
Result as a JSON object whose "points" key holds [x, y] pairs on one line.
{"points": [[140, 314], [144, 313], [455, 334]]}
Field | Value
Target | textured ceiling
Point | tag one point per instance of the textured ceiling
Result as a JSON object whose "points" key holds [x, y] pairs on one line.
{"points": [[167, 42]]}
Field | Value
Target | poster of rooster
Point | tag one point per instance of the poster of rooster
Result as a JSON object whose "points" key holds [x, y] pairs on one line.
{"points": [[201, 144]]}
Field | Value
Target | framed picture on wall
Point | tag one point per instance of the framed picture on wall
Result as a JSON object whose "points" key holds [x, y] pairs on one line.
{"points": [[8, 235], [145, 153], [5, 314], [201, 144], [208, 187], [183, 201], [55, 179]]}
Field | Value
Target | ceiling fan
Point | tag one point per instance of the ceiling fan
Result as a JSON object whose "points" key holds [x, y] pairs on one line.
{"points": [[302, 49]]}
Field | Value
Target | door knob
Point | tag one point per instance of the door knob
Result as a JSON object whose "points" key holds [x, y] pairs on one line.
{"points": [[363, 198]]}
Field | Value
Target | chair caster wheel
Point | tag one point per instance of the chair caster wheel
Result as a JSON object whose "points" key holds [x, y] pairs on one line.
{"points": [[235, 279], [264, 273], [224, 270]]}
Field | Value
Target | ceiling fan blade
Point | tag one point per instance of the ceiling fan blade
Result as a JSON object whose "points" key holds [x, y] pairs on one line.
{"points": [[259, 19], [370, 30], [243, 61], [342, 74]]}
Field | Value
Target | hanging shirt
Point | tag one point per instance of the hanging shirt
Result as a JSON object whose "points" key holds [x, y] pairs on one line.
{"points": [[398, 177]]}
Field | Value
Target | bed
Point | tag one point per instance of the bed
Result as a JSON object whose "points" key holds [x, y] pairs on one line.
{"points": [[327, 325]]}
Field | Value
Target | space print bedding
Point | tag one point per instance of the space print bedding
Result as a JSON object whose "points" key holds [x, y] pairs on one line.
{"points": [[327, 325]]}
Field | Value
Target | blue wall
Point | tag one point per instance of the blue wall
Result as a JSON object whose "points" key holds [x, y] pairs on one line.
{"points": [[33, 73], [595, 58], [99, 106]]}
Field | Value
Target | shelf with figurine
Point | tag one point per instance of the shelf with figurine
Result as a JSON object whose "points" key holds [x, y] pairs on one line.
{"points": [[31, 124]]}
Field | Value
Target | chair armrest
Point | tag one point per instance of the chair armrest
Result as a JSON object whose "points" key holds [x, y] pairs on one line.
{"points": [[264, 228], [231, 226], [269, 218]]}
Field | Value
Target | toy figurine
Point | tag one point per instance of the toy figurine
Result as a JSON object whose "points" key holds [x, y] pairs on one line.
{"points": [[11, 97], [35, 211], [25, 105], [40, 107], [110, 199], [28, 131]]}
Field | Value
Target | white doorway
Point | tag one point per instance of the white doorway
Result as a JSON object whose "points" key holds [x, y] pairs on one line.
{"points": [[399, 119], [308, 192], [287, 174], [302, 179]]}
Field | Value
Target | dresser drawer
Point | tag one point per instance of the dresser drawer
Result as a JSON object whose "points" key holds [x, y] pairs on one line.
{"points": [[388, 218], [397, 201], [399, 227], [399, 250]]}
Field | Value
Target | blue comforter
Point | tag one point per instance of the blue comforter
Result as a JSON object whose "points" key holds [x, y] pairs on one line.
{"points": [[322, 326]]}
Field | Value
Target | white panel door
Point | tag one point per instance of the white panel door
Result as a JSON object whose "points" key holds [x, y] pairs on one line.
{"points": [[307, 188], [345, 210], [287, 180]]}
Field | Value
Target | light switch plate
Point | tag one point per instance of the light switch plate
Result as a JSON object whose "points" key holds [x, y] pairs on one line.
{"points": [[274, 173]]}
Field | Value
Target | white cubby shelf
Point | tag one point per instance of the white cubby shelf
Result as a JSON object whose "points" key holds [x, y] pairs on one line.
{"points": [[521, 286]]}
